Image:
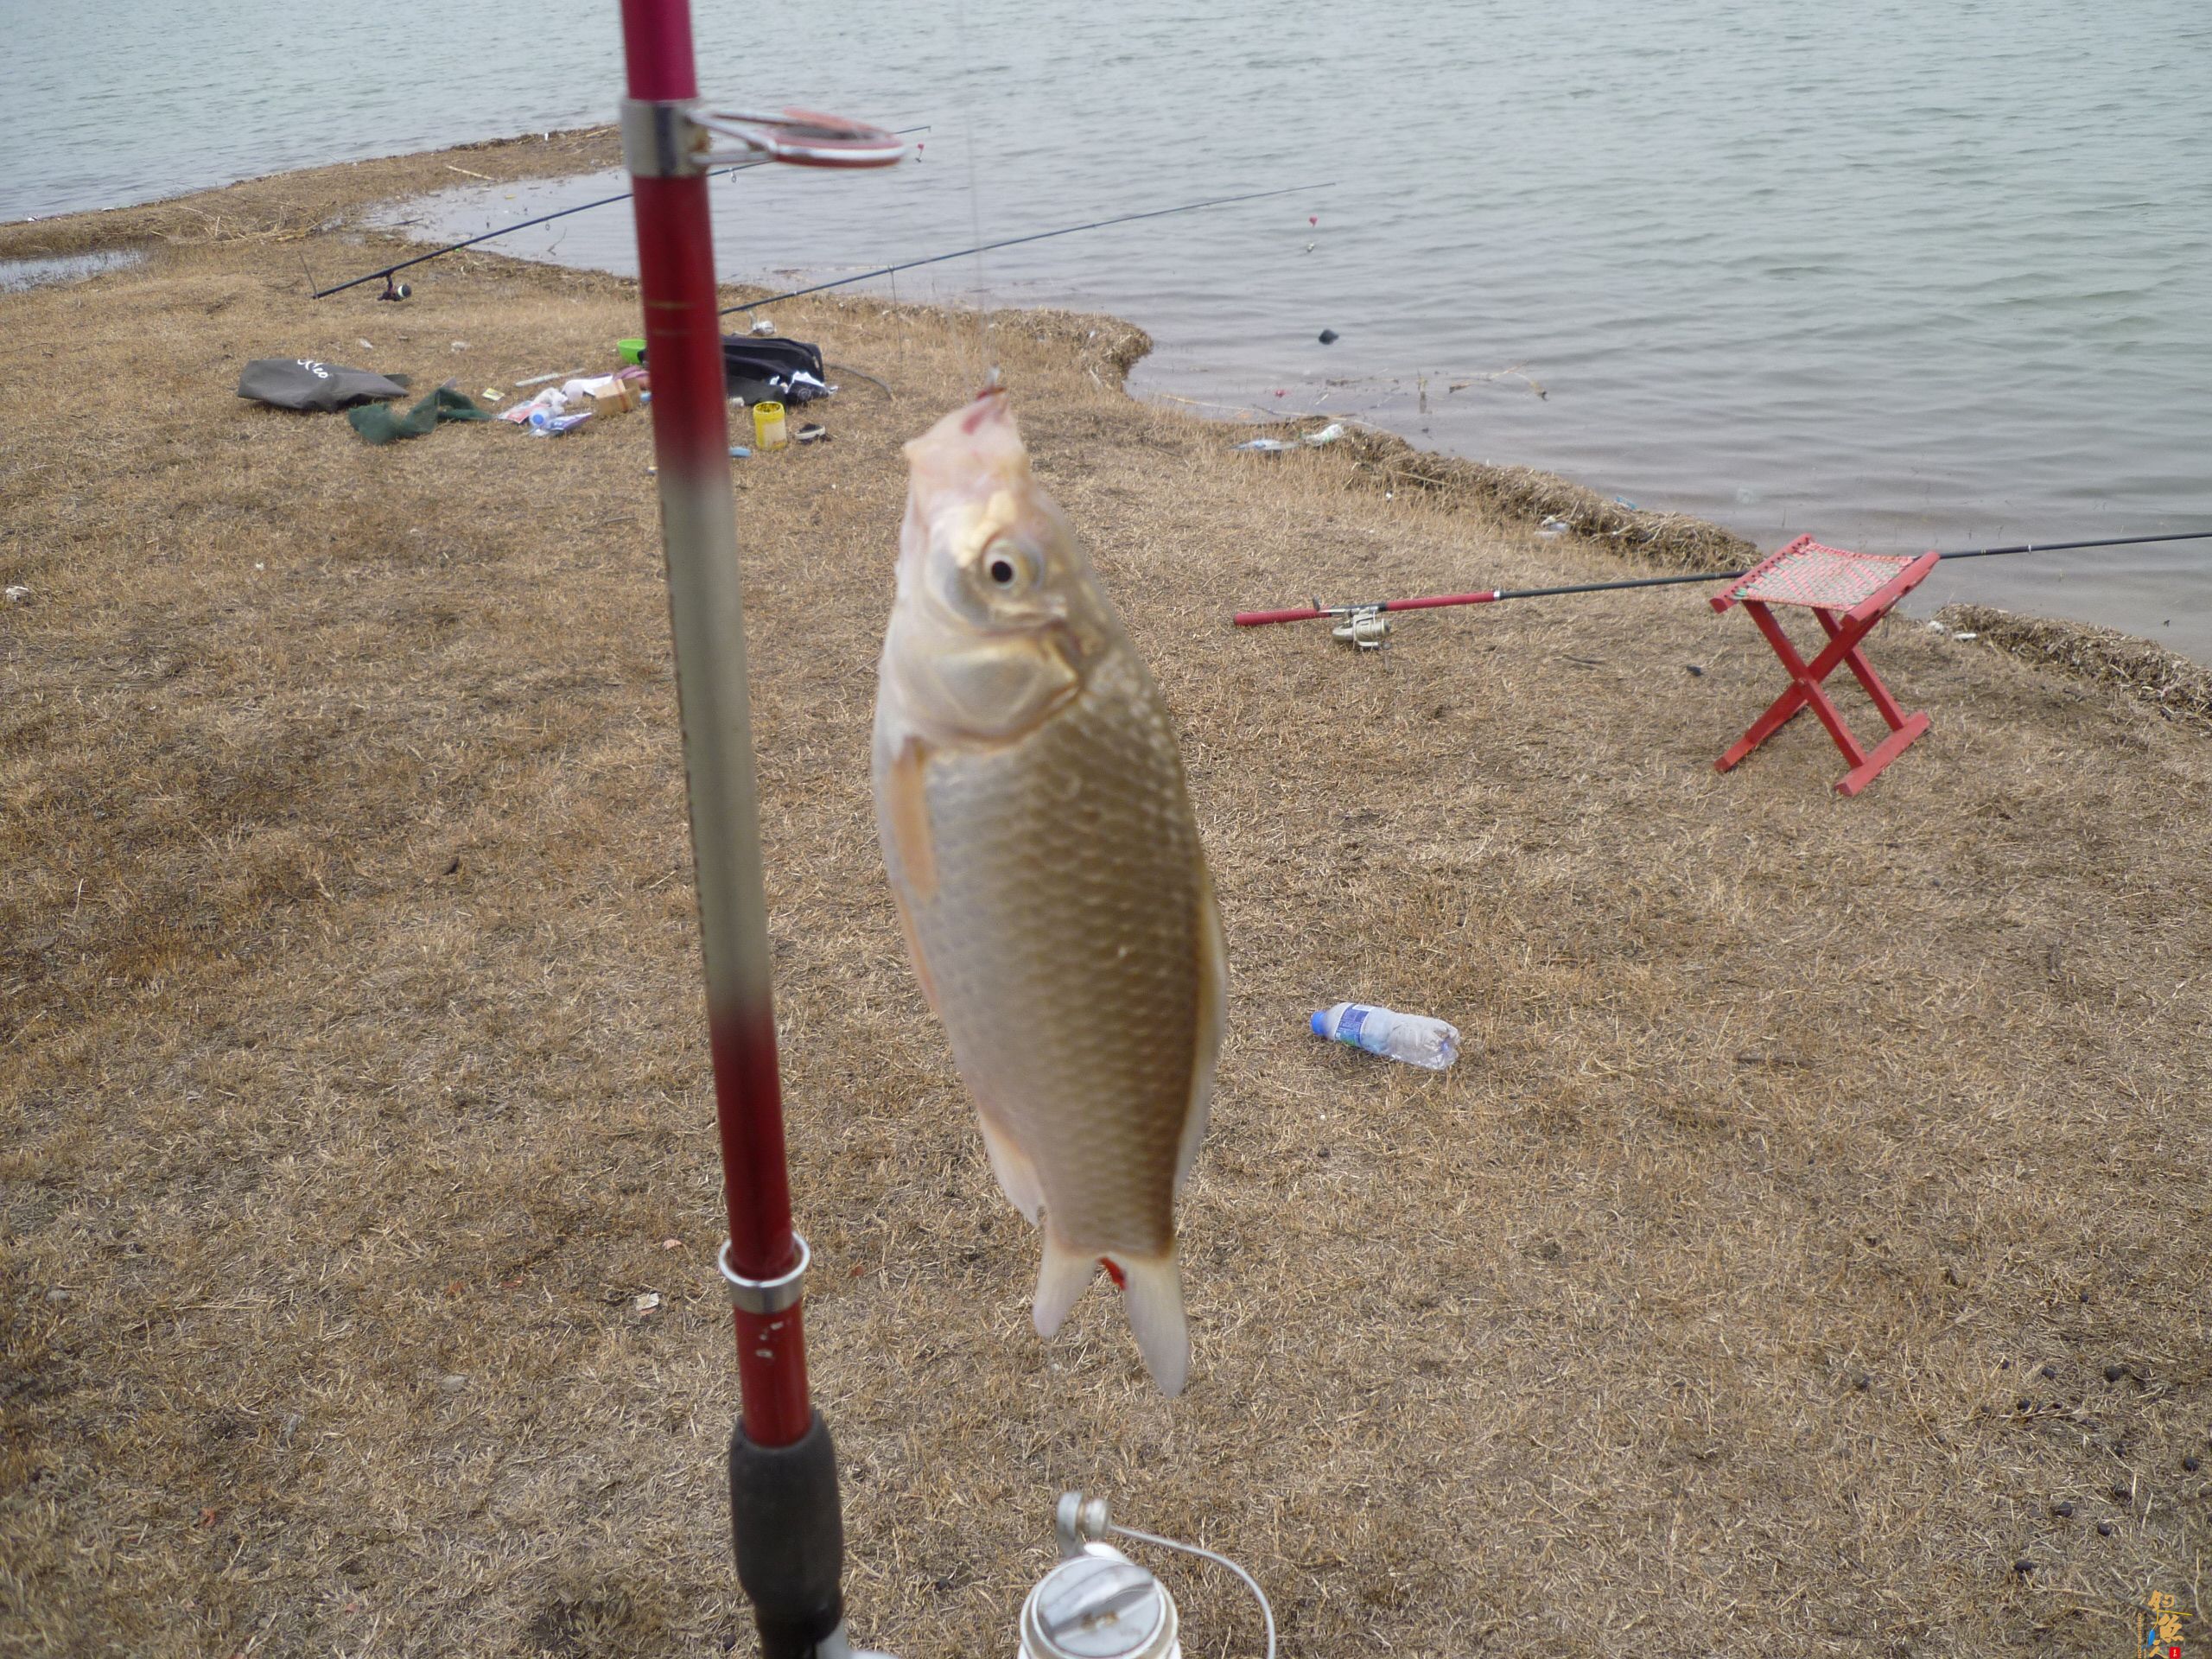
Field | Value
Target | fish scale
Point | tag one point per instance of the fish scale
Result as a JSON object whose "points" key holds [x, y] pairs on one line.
{"points": [[1098, 958]]}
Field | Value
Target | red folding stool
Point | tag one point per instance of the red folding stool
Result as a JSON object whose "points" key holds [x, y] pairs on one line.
{"points": [[1849, 593]]}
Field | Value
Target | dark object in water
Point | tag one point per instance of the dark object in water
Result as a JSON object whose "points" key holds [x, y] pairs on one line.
{"points": [[1330, 336]]}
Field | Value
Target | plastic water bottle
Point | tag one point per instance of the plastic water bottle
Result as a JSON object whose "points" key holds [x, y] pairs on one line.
{"points": [[1412, 1038]]}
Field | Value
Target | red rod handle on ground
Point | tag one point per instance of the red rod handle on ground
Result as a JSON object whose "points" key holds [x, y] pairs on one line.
{"points": [[1307, 612], [676, 278]]}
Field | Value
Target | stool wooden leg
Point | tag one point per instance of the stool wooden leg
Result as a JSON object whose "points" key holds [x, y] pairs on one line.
{"points": [[1884, 751], [1804, 691], [1863, 671], [1783, 709]]}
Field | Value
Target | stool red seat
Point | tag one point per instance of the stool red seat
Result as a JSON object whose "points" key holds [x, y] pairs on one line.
{"points": [[1849, 593]]}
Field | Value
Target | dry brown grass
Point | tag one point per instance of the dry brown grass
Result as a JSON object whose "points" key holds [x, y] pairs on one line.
{"points": [[1750, 1287], [2161, 681]]}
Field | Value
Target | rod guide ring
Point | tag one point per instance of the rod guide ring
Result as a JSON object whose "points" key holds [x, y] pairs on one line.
{"points": [[765, 1295]]}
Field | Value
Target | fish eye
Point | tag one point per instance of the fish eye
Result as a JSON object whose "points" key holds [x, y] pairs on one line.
{"points": [[1008, 567]]}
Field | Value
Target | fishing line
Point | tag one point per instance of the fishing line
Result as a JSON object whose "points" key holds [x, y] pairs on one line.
{"points": [[1252, 1584], [508, 229], [986, 370], [1017, 241]]}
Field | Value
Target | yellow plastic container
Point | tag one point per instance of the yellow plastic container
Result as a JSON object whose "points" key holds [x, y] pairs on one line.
{"points": [[769, 431]]}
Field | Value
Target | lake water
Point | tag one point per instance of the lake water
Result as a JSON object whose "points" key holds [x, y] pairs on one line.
{"points": [[1903, 276]]}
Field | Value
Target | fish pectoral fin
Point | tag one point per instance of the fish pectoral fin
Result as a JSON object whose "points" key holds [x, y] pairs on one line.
{"points": [[907, 811], [1152, 1295], [913, 939], [1017, 1175], [1060, 1279]]}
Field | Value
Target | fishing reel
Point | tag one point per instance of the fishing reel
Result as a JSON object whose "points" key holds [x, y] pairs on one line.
{"points": [[1098, 1604], [1362, 626], [394, 290]]}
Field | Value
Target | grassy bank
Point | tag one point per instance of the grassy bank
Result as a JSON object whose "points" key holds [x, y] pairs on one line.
{"points": [[1822, 1202]]}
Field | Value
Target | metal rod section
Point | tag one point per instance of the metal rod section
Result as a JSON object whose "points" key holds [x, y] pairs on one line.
{"points": [[1016, 241], [675, 280], [1310, 612], [527, 224], [2063, 547]]}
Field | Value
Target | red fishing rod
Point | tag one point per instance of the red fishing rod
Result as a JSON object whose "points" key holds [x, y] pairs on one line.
{"points": [[1364, 625], [785, 1516]]}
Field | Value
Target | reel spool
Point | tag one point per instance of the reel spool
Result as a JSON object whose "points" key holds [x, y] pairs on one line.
{"points": [[1364, 626], [1098, 1604]]}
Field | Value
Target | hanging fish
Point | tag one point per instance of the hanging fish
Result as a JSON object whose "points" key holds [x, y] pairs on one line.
{"points": [[1047, 869]]}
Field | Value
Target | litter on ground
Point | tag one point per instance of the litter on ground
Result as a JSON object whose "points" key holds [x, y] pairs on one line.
{"points": [[377, 423]]}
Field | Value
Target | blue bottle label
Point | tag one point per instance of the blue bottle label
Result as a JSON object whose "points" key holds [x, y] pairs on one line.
{"points": [[1349, 1024]]}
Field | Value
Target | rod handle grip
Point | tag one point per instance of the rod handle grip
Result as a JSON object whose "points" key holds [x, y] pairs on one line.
{"points": [[1261, 618]]}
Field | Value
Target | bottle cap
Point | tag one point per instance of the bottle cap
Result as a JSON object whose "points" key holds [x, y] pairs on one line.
{"points": [[1320, 1022]]}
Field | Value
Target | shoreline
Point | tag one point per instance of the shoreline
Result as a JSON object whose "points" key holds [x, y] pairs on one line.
{"points": [[1783, 1222], [335, 200]]}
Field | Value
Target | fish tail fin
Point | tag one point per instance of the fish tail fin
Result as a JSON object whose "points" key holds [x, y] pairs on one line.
{"points": [[1064, 1275], [1151, 1295]]}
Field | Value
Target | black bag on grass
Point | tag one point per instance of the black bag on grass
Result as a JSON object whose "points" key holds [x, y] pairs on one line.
{"points": [[762, 368], [302, 383]]}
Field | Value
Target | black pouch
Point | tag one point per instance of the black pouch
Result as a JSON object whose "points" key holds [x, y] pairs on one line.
{"points": [[302, 383], [759, 368]]}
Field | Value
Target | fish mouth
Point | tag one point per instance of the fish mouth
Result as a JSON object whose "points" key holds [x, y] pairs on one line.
{"points": [[976, 447], [990, 400]]}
